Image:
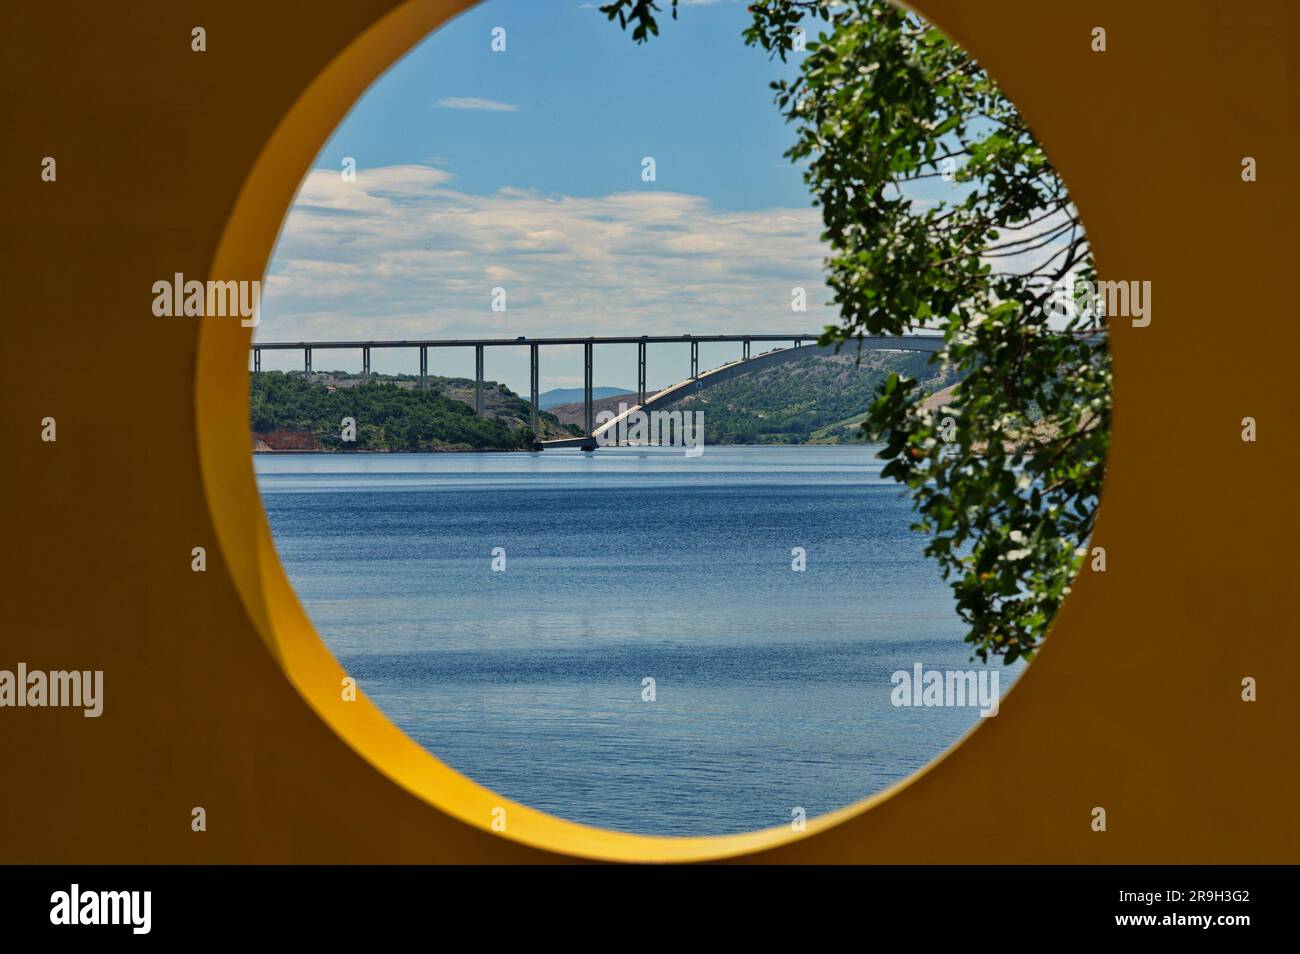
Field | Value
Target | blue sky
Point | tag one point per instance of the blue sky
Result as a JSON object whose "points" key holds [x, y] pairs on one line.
{"points": [[587, 105], [522, 170]]}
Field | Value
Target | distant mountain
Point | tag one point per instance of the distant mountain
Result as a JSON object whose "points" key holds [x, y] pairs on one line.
{"points": [[820, 400], [557, 396], [576, 411]]}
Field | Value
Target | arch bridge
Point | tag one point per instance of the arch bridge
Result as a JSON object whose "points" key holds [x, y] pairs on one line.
{"points": [[797, 346]]}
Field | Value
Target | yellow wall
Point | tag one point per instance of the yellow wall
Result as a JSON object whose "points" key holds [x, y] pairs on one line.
{"points": [[218, 694]]}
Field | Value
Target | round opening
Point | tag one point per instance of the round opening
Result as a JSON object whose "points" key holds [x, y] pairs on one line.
{"points": [[739, 630]]}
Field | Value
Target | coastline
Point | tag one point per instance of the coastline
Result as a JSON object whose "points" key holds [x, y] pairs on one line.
{"points": [[325, 451]]}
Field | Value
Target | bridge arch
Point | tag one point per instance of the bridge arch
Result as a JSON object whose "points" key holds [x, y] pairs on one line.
{"points": [[670, 395]]}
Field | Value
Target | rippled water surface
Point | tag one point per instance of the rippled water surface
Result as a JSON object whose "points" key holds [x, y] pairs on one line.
{"points": [[772, 686]]}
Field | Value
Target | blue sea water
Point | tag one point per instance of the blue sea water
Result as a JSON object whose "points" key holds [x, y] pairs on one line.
{"points": [[772, 687]]}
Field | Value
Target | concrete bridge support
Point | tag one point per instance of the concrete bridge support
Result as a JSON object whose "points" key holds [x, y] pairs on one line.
{"points": [[478, 380], [586, 386], [640, 372], [534, 381]]}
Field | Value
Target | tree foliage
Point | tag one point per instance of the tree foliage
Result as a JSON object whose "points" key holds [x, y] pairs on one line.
{"points": [[1006, 477], [388, 417]]}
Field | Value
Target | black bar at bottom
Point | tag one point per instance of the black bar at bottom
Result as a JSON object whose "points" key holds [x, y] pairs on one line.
{"points": [[927, 904]]}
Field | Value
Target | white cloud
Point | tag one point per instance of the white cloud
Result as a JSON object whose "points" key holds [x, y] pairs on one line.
{"points": [[476, 103], [1029, 247], [398, 253]]}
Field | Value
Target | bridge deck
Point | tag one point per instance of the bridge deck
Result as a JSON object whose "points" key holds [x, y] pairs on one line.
{"points": [[915, 342], [515, 342]]}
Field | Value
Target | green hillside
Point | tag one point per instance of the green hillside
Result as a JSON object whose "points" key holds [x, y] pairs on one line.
{"points": [[391, 412], [815, 400]]}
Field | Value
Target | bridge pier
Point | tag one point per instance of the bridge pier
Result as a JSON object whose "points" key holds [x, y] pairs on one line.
{"points": [[927, 344], [586, 386], [534, 381], [478, 380], [640, 372]]}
